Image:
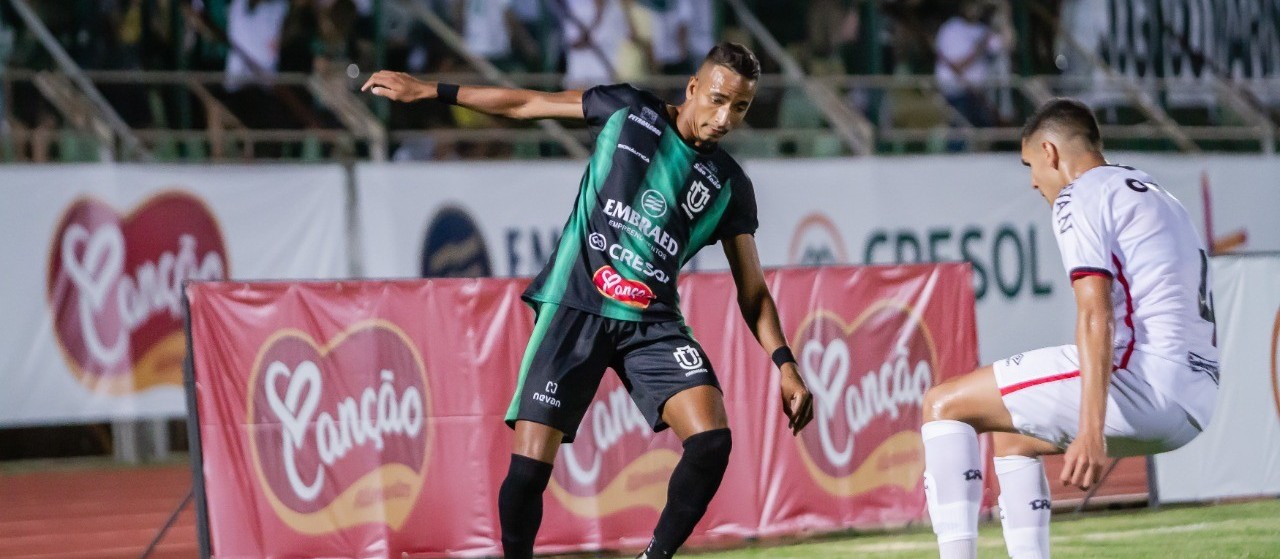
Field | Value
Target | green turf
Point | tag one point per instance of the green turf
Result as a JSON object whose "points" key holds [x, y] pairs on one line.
{"points": [[1237, 531]]}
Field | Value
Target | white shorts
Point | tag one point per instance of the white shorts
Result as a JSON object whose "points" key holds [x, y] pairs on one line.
{"points": [[1041, 389]]}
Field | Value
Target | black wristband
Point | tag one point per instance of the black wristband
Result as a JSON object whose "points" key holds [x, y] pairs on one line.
{"points": [[782, 356], [447, 93]]}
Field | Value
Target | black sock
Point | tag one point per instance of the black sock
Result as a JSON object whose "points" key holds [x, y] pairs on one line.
{"points": [[520, 505], [693, 483]]}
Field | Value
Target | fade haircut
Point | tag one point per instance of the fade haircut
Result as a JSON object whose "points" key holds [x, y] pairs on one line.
{"points": [[736, 57], [1068, 118]]}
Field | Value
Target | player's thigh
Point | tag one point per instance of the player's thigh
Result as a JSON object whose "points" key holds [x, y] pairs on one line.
{"points": [[671, 379], [1042, 388], [695, 410], [973, 398], [567, 355], [536, 440]]}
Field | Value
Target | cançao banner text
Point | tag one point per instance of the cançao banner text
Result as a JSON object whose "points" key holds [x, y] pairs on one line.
{"points": [[364, 419]]}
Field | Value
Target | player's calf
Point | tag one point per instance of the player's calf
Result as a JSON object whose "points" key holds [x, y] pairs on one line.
{"points": [[693, 483], [520, 505]]}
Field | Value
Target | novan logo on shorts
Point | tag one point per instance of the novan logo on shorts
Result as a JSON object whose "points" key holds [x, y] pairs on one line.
{"points": [[632, 293]]}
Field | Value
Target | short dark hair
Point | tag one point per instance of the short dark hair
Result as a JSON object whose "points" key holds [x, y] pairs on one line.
{"points": [[736, 57], [1068, 117]]}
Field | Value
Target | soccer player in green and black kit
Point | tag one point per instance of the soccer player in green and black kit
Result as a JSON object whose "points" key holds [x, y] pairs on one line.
{"points": [[658, 188]]}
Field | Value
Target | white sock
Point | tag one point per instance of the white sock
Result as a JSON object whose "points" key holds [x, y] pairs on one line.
{"points": [[953, 486], [1024, 506]]}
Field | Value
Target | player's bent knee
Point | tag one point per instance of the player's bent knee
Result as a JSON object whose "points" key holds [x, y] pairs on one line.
{"points": [[940, 404], [709, 449]]}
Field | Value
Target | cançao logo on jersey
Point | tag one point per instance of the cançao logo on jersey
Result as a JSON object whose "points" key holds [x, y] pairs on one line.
{"points": [[340, 433], [632, 293], [817, 242], [115, 287], [868, 377], [616, 463]]}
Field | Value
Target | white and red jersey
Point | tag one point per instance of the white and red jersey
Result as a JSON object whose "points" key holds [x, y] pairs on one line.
{"points": [[1116, 221]]}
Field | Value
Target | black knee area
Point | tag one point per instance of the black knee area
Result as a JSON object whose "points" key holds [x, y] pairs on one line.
{"points": [[709, 450], [520, 505], [693, 483]]}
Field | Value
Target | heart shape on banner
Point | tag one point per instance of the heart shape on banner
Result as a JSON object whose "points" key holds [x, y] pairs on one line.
{"points": [[868, 378], [340, 433], [114, 287]]}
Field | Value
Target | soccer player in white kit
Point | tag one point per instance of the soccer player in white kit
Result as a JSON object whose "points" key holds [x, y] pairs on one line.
{"points": [[1141, 378]]}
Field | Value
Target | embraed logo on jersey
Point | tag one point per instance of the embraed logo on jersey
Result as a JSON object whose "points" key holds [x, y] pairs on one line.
{"points": [[616, 463], [340, 435], [115, 287], [637, 225], [868, 378], [654, 203], [632, 293]]}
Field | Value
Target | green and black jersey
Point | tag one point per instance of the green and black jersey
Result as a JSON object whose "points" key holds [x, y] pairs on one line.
{"points": [[647, 203]]}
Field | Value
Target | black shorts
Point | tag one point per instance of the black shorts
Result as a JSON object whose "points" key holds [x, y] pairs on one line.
{"points": [[570, 349]]}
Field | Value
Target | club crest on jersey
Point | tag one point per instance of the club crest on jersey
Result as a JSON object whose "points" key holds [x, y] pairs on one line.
{"points": [[696, 200], [632, 293]]}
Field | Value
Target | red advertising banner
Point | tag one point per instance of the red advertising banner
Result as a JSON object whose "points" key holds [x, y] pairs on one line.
{"points": [[364, 419]]}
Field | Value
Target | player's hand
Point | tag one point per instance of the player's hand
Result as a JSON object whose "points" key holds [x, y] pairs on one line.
{"points": [[797, 403], [399, 86], [1084, 461]]}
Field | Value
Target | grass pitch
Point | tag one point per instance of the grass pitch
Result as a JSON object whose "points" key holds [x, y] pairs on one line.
{"points": [[1245, 530]]}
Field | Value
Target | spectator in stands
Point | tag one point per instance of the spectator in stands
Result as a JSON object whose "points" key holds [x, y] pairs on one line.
{"points": [[673, 22], [594, 31], [493, 32], [967, 46], [253, 30]]}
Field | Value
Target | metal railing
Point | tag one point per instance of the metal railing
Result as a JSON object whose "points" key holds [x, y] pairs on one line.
{"points": [[904, 114]]}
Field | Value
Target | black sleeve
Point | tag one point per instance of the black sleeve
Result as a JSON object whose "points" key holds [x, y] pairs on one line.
{"points": [[740, 216], [600, 102]]}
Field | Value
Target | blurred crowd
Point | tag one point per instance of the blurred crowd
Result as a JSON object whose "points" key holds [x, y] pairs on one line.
{"points": [[584, 42]]}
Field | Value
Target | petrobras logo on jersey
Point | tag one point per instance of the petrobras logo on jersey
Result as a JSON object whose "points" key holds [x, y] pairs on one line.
{"points": [[817, 242], [648, 125], [868, 377], [695, 200], [632, 293], [344, 435], [708, 170], [616, 463], [114, 287], [641, 226]]}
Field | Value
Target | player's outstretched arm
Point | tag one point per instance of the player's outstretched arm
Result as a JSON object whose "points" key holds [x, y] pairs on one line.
{"points": [[761, 314], [1086, 457], [522, 104]]}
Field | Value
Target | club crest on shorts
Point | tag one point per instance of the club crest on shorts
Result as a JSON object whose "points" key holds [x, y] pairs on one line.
{"points": [[689, 359]]}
